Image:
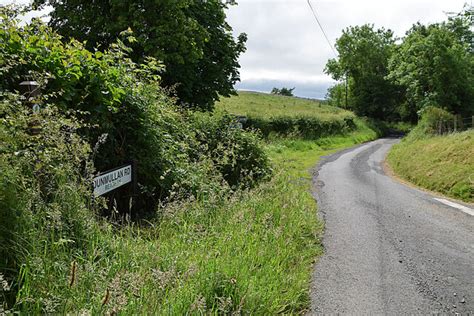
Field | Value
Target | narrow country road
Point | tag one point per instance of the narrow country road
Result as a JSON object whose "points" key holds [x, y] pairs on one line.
{"points": [[389, 248]]}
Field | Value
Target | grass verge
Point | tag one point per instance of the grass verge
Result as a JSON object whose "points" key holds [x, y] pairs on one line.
{"points": [[440, 163], [251, 254]]}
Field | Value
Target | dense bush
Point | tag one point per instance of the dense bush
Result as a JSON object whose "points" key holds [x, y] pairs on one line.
{"points": [[432, 119], [127, 112], [99, 110], [304, 126], [237, 154]]}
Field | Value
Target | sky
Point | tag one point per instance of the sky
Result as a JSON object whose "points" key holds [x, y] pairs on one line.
{"points": [[286, 47]]}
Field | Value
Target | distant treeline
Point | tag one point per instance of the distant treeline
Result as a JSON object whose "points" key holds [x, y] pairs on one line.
{"points": [[387, 78]]}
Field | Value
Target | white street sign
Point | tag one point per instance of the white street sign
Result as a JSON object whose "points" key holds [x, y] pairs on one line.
{"points": [[112, 180]]}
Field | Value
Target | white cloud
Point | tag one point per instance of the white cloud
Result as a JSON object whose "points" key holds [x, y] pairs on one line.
{"points": [[285, 45]]}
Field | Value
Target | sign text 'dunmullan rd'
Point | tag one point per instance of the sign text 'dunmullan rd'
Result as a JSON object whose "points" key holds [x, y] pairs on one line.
{"points": [[112, 180]]}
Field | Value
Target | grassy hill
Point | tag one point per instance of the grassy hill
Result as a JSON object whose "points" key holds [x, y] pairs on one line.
{"points": [[439, 163], [262, 105], [274, 114]]}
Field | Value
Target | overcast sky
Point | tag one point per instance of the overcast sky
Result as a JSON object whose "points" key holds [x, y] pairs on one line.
{"points": [[286, 48]]}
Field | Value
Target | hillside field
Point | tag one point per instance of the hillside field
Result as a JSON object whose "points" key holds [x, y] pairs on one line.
{"points": [[286, 116], [263, 105]]}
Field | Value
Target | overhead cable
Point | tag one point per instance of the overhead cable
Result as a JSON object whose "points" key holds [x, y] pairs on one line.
{"points": [[321, 27]]}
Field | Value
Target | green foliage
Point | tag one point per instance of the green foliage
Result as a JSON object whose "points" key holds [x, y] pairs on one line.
{"points": [[127, 112], [45, 196], [283, 91], [363, 58], [238, 155], [461, 25], [435, 65], [106, 102], [191, 38], [432, 66], [304, 127], [429, 124], [336, 95]]}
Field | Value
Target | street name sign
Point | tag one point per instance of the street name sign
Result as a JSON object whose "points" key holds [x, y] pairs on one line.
{"points": [[111, 180]]}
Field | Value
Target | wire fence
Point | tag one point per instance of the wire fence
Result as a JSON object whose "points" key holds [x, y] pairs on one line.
{"points": [[457, 124]]}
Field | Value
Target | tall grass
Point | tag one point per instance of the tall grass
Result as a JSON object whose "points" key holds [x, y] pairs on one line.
{"points": [[251, 253]]}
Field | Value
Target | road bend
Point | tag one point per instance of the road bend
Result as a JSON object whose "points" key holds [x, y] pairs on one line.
{"points": [[389, 248]]}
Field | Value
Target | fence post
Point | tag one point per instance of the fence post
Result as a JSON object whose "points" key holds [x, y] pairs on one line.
{"points": [[455, 124]]}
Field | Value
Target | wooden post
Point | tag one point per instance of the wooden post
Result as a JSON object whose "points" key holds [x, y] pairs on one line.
{"points": [[31, 90], [134, 185], [455, 124]]}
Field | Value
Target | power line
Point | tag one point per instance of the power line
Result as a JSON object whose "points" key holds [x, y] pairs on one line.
{"points": [[321, 27]]}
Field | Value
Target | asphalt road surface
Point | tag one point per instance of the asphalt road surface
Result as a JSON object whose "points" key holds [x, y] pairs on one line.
{"points": [[389, 248]]}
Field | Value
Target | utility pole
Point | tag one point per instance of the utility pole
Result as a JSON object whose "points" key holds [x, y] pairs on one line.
{"points": [[346, 91]]}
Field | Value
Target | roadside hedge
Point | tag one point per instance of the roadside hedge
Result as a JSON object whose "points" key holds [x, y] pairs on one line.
{"points": [[303, 126]]}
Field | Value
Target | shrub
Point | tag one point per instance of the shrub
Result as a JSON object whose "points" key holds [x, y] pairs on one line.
{"points": [[429, 124], [236, 153], [125, 108], [44, 186], [283, 91]]}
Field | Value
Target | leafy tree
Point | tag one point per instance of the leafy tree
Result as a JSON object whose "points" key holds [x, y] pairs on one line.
{"points": [[336, 95], [283, 91], [363, 58], [191, 38], [461, 24], [435, 65]]}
